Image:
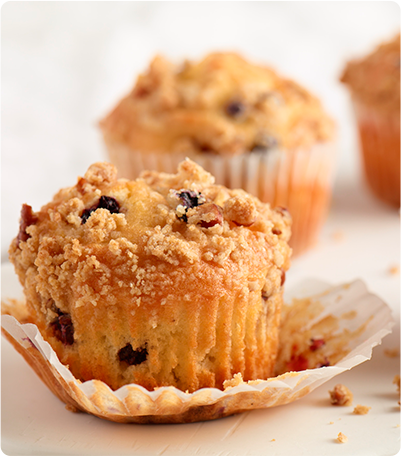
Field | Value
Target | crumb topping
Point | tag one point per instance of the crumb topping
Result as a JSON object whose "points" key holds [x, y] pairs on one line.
{"points": [[222, 104]]}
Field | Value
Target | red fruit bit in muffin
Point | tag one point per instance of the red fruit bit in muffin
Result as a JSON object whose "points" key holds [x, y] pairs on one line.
{"points": [[282, 277], [315, 344], [28, 218], [211, 214], [298, 363]]}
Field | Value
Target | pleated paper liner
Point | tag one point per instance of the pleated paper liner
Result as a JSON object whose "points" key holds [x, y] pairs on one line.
{"points": [[300, 180], [379, 134], [325, 330]]}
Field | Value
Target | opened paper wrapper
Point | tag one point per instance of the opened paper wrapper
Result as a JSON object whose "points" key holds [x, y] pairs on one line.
{"points": [[335, 327]]}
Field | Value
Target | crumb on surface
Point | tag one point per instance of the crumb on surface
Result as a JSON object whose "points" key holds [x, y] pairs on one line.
{"points": [[341, 438], [341, 395], [396, 381], [272, 440], [331, 422], [394, 270], [361, 410], [392, 352]]}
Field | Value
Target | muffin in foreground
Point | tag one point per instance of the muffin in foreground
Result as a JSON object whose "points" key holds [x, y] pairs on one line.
{"points": [[248, 126], [374, 83], [168, 280]]}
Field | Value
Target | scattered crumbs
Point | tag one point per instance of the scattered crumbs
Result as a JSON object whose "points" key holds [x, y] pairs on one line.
{"points": [[341, 438], [341, 395], [394, 270], [361, 410], [338, 235], [331, 422], [396, 381], [272, 440], [392, 352]]}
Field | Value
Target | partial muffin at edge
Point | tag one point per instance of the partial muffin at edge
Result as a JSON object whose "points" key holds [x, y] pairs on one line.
{"points": [[374, 85]]}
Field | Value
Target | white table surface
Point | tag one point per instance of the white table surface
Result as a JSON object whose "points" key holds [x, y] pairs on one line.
{"points": [[63, 66]]}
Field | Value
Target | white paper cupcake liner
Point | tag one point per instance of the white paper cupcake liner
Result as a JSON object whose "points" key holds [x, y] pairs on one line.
{"points": [[362, 320], [300, 180]]}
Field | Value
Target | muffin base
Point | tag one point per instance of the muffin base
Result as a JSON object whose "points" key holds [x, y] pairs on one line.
{"points": [[299, 180], [379, 134], [352, 345]]}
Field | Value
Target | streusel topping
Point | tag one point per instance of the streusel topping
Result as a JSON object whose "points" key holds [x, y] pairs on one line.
{"points": [[107, 234], [222, 104]]}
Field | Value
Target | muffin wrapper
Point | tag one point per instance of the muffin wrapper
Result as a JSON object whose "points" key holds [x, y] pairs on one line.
{"points": [[361, 321], [298, 179], [379, 134]]}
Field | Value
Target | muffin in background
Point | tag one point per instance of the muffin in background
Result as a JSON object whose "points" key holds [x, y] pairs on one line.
{"points": [[248, 126], [169, 280], [374, 84]]}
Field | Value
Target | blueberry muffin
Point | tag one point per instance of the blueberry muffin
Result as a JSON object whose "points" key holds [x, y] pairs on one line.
{"points": [[374, 84], [244, 123], [165, 280]]}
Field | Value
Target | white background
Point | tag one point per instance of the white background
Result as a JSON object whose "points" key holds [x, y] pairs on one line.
{"points": [[64, 65]]}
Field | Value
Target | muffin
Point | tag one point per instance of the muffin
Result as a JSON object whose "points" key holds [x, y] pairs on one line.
{"points": [[165, 280], [248, 126], [374, 84]]}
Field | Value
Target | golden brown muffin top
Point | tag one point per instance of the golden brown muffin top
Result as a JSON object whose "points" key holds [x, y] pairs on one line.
{"points": [[107, 239], [375, 79], [222, 104]]}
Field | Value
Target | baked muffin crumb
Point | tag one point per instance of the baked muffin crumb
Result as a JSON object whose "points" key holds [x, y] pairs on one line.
{"points": [[361, 410], [341, 438], [341, 395]]}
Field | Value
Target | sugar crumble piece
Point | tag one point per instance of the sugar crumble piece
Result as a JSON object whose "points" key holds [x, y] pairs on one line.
{"points": [[361, 410], [396, 381], [394, 270], [341, 395], [331, 422], [341, 438], [272, 440]]}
